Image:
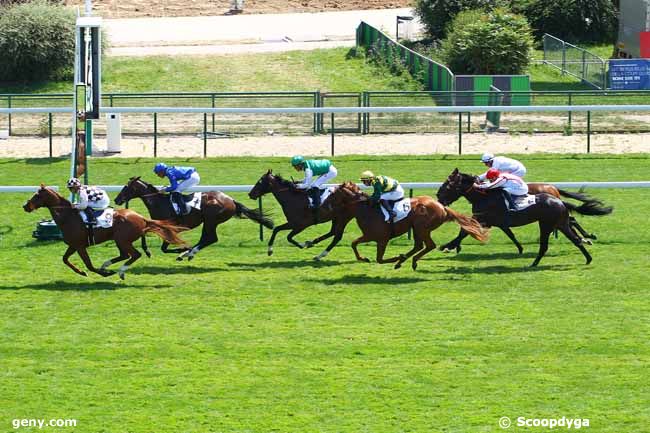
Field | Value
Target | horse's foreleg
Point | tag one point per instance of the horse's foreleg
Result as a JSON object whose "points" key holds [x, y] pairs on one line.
{"points": [[89, 264], [360, 240], [573, 223], [165, 249], [285, 226], [544, 234], [338, 234], [417, 246], [381, 250], [455, 243], [329, 234], [132, 253], [208, 237], [145, 248], [512, 237], [292, 234], [66, 259]]}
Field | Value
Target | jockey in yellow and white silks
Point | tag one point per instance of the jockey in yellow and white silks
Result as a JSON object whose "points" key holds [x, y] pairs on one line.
{"points": [[386, 190]]}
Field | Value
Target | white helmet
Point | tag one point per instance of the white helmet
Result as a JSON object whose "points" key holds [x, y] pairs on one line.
{"points": [[73, 182], [487, 157]]}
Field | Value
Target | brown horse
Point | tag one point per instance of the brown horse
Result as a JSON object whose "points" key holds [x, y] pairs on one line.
{"points": [[426, 215], [216, 208], [128, 226], [295, 206]]}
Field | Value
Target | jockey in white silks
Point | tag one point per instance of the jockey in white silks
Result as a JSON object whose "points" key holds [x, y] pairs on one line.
{"points": [[503, 164], [91, 198]]}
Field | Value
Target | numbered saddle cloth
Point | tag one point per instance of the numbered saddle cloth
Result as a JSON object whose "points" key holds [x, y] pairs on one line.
{"points": [[401, 208], [104, 218], [324, 193], [192, 201], [524, 201]]}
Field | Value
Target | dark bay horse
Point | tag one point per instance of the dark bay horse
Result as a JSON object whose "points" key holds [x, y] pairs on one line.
{"points": [[295, 207], [426, 215], [489, 208], [128, 226], [216, 208]]}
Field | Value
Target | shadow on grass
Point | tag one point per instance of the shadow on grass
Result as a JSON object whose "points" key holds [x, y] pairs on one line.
{"points": [[365, 279], [289, 264], [179, 268], [85, 286], [500, 269]]}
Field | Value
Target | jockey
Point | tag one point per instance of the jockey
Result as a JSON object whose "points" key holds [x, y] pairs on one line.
{"points": [[387, 191], [512, 186], [91, 198], [322, 168], [180, 179], [503, 164]]}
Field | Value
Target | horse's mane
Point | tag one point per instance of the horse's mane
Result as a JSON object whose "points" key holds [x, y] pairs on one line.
{"points": [[63, 199], [149, 186], [284, 182], [353, 187]]}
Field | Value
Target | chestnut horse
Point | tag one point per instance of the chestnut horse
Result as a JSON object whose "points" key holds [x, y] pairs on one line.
{"points": [[128, 226], [216, 208], [426, 215], [299, 216]]}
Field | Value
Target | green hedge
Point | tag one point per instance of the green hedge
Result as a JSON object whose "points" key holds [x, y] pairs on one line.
{"points": [[36, 41]]}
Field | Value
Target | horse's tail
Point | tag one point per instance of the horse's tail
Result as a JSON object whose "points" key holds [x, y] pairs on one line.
{"points": [[256, 215], [580, 196], [469, 224], [166, 230], [590, 207]]}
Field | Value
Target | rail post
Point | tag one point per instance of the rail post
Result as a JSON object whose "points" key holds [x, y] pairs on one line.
{"points": [[9, 106], [410, 196], [332, 130], [460, 133], [49, 131], [588, 131], [205, 135], [259, 206], [155, 135]]}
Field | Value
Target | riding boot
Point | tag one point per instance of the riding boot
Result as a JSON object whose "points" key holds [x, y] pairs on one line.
{"points": [[388, 205], [314, 194], [177, 198], [90, 221]]}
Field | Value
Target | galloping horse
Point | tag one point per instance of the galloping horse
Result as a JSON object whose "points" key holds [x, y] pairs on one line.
{"points": [[426, 215], [296, 209], [489, 209], [128, 226], [216, 208]]}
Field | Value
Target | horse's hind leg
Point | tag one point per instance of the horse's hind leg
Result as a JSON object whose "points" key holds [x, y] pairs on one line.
{"points": [[512, 237], [429, 245], [132, 253], [576, 240], [544, 234], [418, 244], [586, 237], [329, 234], [123, 256], [381, 249], [338, 234], [208, 237], [66, 259], [89, 264], [145, 248], [165, 249]]}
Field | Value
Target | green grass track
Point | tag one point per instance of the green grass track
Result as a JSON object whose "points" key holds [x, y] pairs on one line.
{"points": [[236, 341]]}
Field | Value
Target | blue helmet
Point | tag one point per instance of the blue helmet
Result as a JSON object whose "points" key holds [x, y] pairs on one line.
{"points": [[161, 166]]}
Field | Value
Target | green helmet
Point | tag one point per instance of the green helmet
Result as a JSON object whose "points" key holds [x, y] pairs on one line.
{"points": [[297, 160]]}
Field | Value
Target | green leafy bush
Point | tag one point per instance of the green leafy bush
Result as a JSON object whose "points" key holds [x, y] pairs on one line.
{"points": [[571, 20], [496, 42], [36, 41], [435, 15]]}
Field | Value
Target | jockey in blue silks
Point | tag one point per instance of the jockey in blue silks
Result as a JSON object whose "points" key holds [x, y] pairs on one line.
{"points": [[180, 179]]}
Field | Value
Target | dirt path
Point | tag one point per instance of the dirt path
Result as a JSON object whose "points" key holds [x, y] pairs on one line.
{"points": [[189, 8]]}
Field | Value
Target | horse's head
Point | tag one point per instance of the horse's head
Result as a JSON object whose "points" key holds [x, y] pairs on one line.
{"points": [[262, 186], [345, 194], [453, 187], [44, 197], [133, 189]]}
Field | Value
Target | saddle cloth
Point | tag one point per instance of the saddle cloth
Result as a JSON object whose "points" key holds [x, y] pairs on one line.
{"points": [[104, 218], [524, 202], [323, 195], [401, 208], [193, 203]]}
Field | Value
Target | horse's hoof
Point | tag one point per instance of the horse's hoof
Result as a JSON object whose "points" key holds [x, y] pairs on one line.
{"points": [[588, 260], [179, 258], [122, 276], [83, 274], [309, 244], [587, 241], [445, 250], [189, 258], [148, 254], [593, 236], [270, 252], [364, 259], [458, 249], [398, 265], [521, 250], [414, 265]]}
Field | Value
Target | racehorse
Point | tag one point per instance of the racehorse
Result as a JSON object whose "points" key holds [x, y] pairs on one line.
{"points": [[216, 208], [538, 188], [295, 206], [425, 216], [489, 208], [128, 226]]}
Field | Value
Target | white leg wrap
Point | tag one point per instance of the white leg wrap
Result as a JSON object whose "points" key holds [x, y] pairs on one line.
{"points": [[321, 255], [106, 264], [122, 270]]}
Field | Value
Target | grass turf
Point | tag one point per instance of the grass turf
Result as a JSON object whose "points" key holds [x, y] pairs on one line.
{"points": [[235, 341]]}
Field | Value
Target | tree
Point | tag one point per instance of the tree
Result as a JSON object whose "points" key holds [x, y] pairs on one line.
{"points": [[435, 15], [492, 43]]}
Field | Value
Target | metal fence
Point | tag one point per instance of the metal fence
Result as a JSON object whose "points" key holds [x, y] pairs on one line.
{"points": [[575, 61]]}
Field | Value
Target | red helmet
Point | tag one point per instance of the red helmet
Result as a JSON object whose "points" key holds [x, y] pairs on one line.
{"points": [[492, 174]]}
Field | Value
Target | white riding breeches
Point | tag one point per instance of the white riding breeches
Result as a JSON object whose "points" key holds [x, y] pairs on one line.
{"points": [[100, 204], [323, 178], [395, 195], [188, 183]]}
